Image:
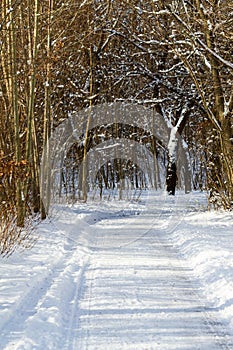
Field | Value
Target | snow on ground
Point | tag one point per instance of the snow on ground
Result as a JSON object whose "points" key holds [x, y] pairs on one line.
{"points": [[208, 247], [154, 274]]}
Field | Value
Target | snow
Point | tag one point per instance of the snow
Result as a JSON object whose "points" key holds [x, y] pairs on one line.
{"points": [[153, 274], [209, 250]]}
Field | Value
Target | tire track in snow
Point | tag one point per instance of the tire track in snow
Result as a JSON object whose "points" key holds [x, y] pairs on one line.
{"points": [[26, 304], [70, 342], [108, 295], [216, 328], [163, 290], [47, 300]]}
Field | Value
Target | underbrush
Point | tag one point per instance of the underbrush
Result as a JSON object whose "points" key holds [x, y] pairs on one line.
{"points": [[13, 237]]}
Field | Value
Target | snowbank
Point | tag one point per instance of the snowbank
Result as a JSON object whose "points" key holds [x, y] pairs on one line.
{"points": [[205, 239]]}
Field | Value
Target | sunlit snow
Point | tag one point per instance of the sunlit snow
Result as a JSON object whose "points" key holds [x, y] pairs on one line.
{"points": [[152, 274]]}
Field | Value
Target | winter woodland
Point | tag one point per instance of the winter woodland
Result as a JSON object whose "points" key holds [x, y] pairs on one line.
{"points": [[63, 59]]}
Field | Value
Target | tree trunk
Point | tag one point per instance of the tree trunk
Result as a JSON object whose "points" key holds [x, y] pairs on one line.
{"points": [[19, 184], [47, 108], [176, 131], [171, 178]]}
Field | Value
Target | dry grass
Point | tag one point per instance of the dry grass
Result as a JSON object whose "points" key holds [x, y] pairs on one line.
{"points": [[13, 237]]}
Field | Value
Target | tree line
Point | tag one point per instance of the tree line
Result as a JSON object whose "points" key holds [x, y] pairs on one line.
{"points": [[59, 57]]}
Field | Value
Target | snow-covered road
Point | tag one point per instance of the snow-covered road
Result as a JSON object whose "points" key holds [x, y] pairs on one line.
{"points": [[99, 279]]}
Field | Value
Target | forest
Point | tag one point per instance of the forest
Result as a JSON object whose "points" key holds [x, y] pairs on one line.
{"points": [[59, 58]]}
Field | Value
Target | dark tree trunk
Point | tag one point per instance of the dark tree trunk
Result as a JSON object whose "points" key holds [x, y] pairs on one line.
{"points": [[171, 178], [182, 117]]}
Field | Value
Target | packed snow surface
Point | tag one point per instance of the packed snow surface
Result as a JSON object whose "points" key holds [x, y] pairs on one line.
{"points": [[151, 274]]}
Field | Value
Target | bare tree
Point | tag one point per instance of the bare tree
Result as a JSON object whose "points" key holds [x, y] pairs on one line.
{"points": [[202, 43]]}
